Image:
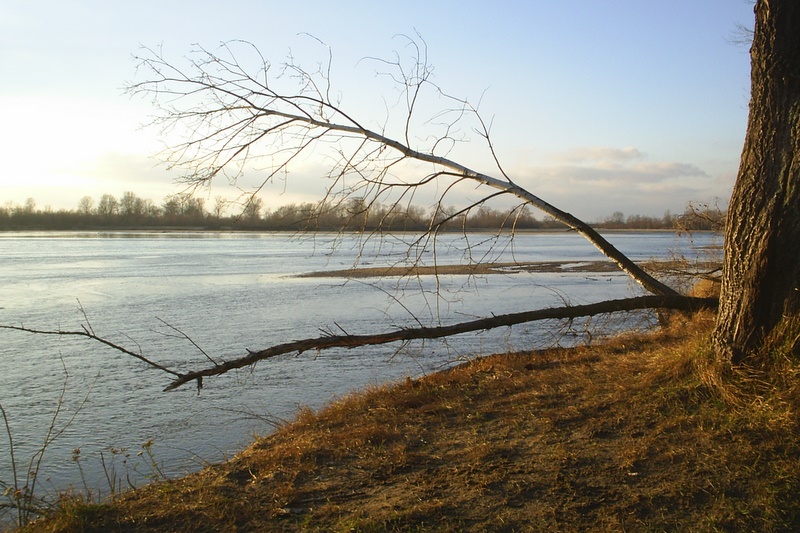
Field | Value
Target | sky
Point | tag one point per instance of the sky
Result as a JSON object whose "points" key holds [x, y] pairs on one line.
{"points": [[596, 106]]}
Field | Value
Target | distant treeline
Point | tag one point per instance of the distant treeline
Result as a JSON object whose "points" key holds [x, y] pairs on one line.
{"points": [[187, 211]]}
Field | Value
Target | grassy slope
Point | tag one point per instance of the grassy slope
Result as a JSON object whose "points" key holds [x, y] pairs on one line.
{"points": [[638, 434]]}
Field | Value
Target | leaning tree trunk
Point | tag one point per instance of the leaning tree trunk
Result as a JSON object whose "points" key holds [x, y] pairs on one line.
{"points": [[761, 272]]}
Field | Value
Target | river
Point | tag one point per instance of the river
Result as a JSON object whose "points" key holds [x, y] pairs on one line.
{"points": [[229, 292]]}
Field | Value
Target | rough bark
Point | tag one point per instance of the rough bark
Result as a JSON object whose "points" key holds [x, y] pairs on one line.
{"points": [[761, 271]]}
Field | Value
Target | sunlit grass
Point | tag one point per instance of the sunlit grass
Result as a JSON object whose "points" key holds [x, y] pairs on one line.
{"points": [[642, 433]]}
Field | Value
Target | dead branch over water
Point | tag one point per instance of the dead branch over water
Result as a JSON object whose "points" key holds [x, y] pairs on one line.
{"points": [[324, 342], [683, 303]]}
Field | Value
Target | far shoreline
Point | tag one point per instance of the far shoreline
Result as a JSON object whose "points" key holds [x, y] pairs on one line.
{"points": [[203, 229]]}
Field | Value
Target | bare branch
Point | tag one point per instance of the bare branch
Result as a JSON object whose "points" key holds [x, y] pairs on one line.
{"points": [[234, 118], [328, 341], [183, 335], [89, 334]]}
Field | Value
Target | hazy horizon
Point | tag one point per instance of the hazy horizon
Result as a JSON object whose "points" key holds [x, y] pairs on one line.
{"points": [[596, 107]]}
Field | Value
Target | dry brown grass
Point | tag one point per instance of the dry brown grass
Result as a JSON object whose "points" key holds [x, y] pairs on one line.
{"points": [[644, 433]]}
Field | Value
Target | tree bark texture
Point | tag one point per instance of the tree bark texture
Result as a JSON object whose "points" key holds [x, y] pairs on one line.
{"points": [[761, 271]]}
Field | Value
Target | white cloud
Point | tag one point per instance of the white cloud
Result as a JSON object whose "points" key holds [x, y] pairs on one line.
{"points": [[603, 154], [592, 182], [628, 175]]}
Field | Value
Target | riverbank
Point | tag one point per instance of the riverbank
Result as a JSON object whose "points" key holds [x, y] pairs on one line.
{"points": [[637, 434]]}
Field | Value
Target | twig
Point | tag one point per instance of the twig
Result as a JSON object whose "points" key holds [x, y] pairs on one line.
{"points": [[87, 333], [185, 336], [13, 463]]}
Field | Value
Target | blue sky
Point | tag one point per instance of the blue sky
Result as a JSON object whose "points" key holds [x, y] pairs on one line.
{"points": [[597, 106]]}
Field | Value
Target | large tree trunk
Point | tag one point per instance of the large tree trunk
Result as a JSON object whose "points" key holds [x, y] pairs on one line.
{"points": [[761, 272]]}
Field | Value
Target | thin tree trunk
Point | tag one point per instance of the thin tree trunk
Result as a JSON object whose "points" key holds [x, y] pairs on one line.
{"points": [[761, 272]]}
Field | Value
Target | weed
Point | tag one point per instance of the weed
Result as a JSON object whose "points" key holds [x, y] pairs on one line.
{"points": [[22, 496]]}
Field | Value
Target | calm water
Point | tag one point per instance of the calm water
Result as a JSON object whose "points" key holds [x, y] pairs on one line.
{"points": [[233, 292]]}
